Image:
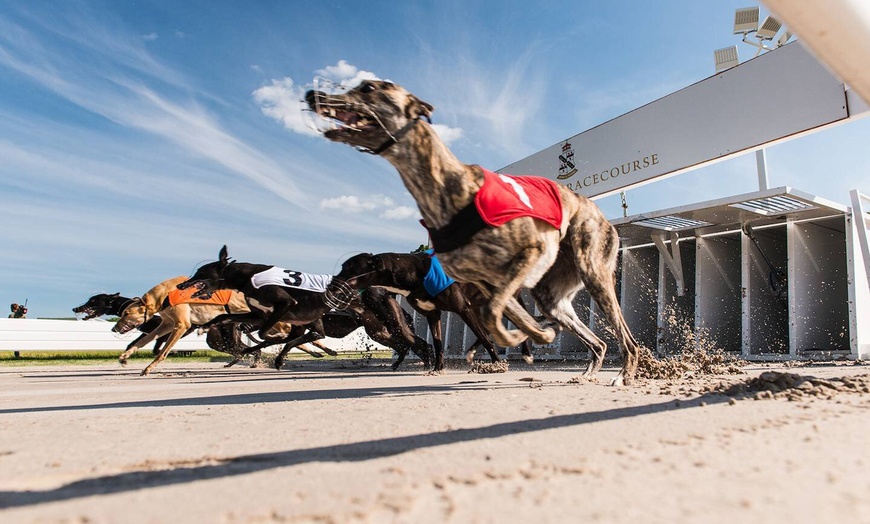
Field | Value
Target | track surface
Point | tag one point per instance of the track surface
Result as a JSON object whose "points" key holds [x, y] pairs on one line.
{"points": [[336, 442]]}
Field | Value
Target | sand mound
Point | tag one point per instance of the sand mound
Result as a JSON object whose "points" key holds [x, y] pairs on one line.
{"points": [[791, 386], [489, 367]]}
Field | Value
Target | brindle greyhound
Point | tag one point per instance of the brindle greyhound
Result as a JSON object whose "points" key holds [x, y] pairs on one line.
{"points": [[302, 308], [403, 273], [554, 263]]}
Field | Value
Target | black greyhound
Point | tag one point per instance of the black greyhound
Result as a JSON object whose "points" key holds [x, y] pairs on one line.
{"points": [[305, 309], [114, 304], [404, 273], [383, 319]]}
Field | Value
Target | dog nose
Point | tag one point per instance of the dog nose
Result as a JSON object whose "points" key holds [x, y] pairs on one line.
{"points": [[311, 96]]}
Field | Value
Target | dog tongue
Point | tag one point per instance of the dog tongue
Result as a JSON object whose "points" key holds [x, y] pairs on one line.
{"points": [[349, 118]]}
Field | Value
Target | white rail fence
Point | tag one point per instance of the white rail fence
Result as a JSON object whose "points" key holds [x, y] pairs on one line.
{"points": [[25, 334]]}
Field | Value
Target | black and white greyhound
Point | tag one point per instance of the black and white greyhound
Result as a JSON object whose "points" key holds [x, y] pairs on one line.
{"points": [[306, 309]]}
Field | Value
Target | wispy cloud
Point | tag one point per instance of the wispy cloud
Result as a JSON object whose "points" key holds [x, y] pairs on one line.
{"points": [[150, 37], [497, 106], [345, 74], [376, 205], [104, 89], [282, 101], [400, 213], [447, 134], [355, 204]]}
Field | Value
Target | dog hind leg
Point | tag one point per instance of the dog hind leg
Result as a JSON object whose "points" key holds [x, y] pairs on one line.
{"points": [[596, 244], [562, 311], [329, 351]]}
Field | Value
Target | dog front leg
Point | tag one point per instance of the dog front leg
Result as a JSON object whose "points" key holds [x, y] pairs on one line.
{"points": [[434, 321], [503, 296], [179, 331], [164, 328], [311, 336], [469, 316], [503, 303]]}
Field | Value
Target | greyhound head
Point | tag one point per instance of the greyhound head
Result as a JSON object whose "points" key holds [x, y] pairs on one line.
{"points": [[133, 316], [97, 305], [360, 271], [208, 278], [371, 117]]}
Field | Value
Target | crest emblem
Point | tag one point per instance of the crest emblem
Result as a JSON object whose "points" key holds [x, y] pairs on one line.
{"points": [[566, 162]]}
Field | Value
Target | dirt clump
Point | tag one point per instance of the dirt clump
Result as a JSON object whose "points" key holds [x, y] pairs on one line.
{"points": [[688, 363]]}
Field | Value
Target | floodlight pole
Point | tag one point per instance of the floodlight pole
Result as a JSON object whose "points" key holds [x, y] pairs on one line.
{"points": [[761, 164], [760, 45]]}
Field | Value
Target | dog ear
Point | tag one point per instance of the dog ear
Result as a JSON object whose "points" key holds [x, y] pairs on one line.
{"points": [[418, 108], [115, 294], [222, 256]]}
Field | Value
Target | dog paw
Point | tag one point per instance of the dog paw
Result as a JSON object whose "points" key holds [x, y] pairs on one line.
{"points": [[548, 336], [529, 359]]}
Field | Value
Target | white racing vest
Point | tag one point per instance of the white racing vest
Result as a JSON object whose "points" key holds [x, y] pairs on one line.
{"points": [[278, 276]]}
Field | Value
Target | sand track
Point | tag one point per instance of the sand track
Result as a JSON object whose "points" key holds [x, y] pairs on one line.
{"points": [[323, 443]]}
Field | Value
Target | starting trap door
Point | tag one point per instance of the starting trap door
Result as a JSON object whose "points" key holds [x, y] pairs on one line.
{"points": [[769, 275]]}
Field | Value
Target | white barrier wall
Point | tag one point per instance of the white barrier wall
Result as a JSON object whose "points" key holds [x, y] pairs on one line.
{"points": [[25, 334]]}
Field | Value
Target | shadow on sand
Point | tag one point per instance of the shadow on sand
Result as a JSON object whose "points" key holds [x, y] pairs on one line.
{"points": [[356, 452]]}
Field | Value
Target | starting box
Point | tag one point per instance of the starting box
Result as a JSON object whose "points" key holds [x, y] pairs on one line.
{"points": [[770, 275]]}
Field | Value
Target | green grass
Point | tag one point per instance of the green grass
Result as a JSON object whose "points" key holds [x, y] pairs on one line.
{"points": [[48, 358]]}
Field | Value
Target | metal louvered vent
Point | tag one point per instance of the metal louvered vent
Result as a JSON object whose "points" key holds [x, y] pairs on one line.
{"points": [[773, 205], [671, 223]]}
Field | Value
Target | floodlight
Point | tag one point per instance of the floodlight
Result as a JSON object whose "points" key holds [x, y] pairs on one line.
{"points": [[783, 39], [768, 28], [745, 20], [725, 58]]}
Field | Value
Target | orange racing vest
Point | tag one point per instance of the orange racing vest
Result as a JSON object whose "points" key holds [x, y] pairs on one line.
{"points": [[220, 297]]}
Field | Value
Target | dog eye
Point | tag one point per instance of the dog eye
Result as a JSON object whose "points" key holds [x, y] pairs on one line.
{"points": [[366, 88]]}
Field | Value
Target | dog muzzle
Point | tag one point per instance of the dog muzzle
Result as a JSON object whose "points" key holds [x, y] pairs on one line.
{"points": [[339, 295]]}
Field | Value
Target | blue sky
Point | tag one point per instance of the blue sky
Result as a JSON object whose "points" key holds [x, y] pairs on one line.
{"points": [[136, 138]]}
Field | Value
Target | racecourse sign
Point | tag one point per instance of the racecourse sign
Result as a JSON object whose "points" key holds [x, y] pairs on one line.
{"points": [[779, 94]]}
